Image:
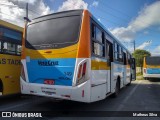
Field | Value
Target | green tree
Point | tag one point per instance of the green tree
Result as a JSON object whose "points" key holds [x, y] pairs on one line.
{"points": [[139, 55]]}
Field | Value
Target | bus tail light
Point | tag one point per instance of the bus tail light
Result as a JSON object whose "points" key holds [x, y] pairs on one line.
{"points": [[81, 73], [84, 69], [22, 73]]}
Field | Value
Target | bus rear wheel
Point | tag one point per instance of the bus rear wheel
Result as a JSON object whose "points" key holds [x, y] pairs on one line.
{"points": [[117, 89], [145, 78]]}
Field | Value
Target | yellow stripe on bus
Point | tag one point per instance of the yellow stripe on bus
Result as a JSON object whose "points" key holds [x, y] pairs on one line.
{"points": [[153, 66], [67, 52], [99, 65]]}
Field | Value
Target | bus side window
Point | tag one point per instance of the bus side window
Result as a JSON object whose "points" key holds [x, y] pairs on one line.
{"points": [[9, 48], [129, 59], [107, 50], [98, 47], [4, 47], [124, 58], [120, 54], [93, 31], [19, 49]]}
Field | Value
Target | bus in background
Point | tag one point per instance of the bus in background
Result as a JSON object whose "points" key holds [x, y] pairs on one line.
{"points": [[10, 51], [70, 55], [151, 67]]}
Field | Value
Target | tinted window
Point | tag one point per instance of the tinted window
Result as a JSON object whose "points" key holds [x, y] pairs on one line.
{"points": [[9, 33], [93, 31], [53, 33], [98, 49], [153, 60], [12, 34]]}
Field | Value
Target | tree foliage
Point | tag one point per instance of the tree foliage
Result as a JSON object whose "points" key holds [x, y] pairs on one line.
{"points": [[139, 55]]}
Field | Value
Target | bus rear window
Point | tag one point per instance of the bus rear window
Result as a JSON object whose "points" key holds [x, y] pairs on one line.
{"points": [[53, 33], [153, 60]]}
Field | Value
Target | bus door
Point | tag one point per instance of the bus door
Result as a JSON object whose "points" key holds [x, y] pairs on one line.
{"points": [[109, 52], [133, 68]]}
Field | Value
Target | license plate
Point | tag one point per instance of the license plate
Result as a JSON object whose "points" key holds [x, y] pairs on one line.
{"points": [[49, 82]]}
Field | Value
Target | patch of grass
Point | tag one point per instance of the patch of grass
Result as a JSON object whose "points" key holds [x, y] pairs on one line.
{"points": [[139, 78], [139, 74]]}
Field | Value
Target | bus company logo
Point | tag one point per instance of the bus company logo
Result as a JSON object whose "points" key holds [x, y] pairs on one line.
{"points": [[48, 63], [6, 114]]}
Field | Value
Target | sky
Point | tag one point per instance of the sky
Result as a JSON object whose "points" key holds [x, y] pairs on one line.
{"points": [[127, 20]]}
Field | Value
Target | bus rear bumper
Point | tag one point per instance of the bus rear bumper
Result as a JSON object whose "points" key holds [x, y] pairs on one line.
{"points": [[79, 93], [151, 75]]}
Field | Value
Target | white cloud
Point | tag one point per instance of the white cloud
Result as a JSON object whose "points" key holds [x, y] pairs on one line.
{"points": [[73, 4], [95, 4], [144, 45], [147, 17], [156, 51], [14, 10]]}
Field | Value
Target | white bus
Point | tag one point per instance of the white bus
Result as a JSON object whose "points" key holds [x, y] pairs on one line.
{"points": [[70, 55], [151, 67]]}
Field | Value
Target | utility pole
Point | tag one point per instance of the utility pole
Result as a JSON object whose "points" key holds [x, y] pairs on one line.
{"points": [[134, 43], [27, 11]]}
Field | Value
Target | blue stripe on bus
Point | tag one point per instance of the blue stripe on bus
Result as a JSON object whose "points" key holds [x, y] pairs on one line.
{"points": [[153, 70], [59, 70]]}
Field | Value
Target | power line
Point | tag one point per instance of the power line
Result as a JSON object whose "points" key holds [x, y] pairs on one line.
{"points": [[11, 16], [104, 4]]}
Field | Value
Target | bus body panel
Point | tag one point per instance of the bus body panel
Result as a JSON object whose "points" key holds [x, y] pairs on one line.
{"points": [[40, 70], [10, 72], [100, 78]]}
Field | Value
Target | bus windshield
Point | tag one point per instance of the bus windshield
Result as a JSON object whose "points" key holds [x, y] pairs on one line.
{"points": [[53, 33], [153, 60]]}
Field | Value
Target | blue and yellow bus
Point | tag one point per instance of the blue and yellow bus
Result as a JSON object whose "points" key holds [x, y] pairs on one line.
{"points": [[10, 56], [151, 67], [70, 55]]}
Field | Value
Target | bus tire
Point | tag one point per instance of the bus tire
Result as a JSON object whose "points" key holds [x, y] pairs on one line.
{"points": [[1, 86], [117, 89], [145, 78]]}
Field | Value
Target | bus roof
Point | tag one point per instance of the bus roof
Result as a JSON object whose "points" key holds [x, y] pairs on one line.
{"points": [[69, 12], [11, 26]]}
